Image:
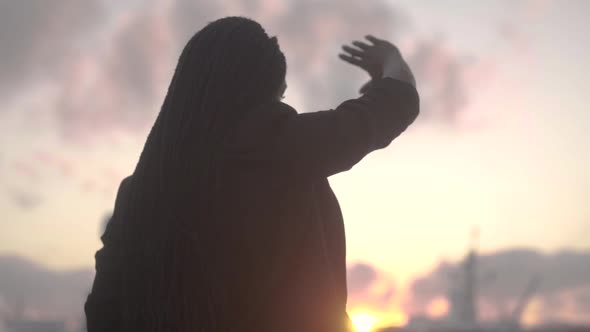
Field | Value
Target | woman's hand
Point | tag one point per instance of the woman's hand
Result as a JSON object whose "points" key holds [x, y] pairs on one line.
{"points": [[379, 59]]}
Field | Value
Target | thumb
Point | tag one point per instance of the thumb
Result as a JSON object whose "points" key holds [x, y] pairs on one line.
{"points": [[365, 87]]}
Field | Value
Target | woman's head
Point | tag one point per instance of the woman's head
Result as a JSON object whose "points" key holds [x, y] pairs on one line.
{"points": [[227, 69], [232, 60]]}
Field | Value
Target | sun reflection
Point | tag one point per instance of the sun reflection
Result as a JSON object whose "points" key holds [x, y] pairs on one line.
{"points": [[363, 322]]}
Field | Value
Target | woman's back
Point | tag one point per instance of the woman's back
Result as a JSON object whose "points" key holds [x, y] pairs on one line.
{"points": [[228, 221]]}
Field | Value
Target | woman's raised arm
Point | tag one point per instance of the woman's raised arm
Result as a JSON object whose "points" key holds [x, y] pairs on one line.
{"points": [[328, 142]]}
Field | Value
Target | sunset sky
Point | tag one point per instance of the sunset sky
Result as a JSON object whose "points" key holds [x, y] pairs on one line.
{"points": [[502, 148]]}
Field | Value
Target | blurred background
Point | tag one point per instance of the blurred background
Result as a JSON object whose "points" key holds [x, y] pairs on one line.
{"points": [[478, 215]]}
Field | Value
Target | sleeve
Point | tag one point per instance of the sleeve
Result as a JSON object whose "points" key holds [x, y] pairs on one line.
{"points": [[324, 143], [102, 305]]}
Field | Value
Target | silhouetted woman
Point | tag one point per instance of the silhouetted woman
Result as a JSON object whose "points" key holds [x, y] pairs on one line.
{"points": [[228, 222]]}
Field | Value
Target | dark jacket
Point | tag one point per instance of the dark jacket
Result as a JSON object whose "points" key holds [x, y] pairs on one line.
{"points": [[278, 234]]}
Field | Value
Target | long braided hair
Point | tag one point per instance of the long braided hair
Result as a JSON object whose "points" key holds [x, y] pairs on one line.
{"points": [[229, 67]]}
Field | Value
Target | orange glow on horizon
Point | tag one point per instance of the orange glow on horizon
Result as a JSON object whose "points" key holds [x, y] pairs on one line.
{"points": [[392, 316], [363, 322], [438, 307]]}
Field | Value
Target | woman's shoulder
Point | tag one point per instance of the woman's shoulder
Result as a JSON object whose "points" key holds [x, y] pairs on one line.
{"points": [[258, 127]]}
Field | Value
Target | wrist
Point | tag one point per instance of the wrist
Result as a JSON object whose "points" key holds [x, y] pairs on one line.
{"points": [[399, 70], [391, 68]]}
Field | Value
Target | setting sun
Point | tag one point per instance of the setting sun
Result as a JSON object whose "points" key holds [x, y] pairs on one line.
{"points": [[363, 322]]}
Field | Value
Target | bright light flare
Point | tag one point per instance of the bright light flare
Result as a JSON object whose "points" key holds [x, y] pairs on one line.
{"points": [[363, 322]]}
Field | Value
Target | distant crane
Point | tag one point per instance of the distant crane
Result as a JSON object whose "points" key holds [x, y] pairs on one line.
{"points": [[524, 298], [462, 298]]}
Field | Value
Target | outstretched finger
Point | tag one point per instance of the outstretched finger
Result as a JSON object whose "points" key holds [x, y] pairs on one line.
{"points": [[374, 40], [361, 45], [352, 51], [350, 59]]}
